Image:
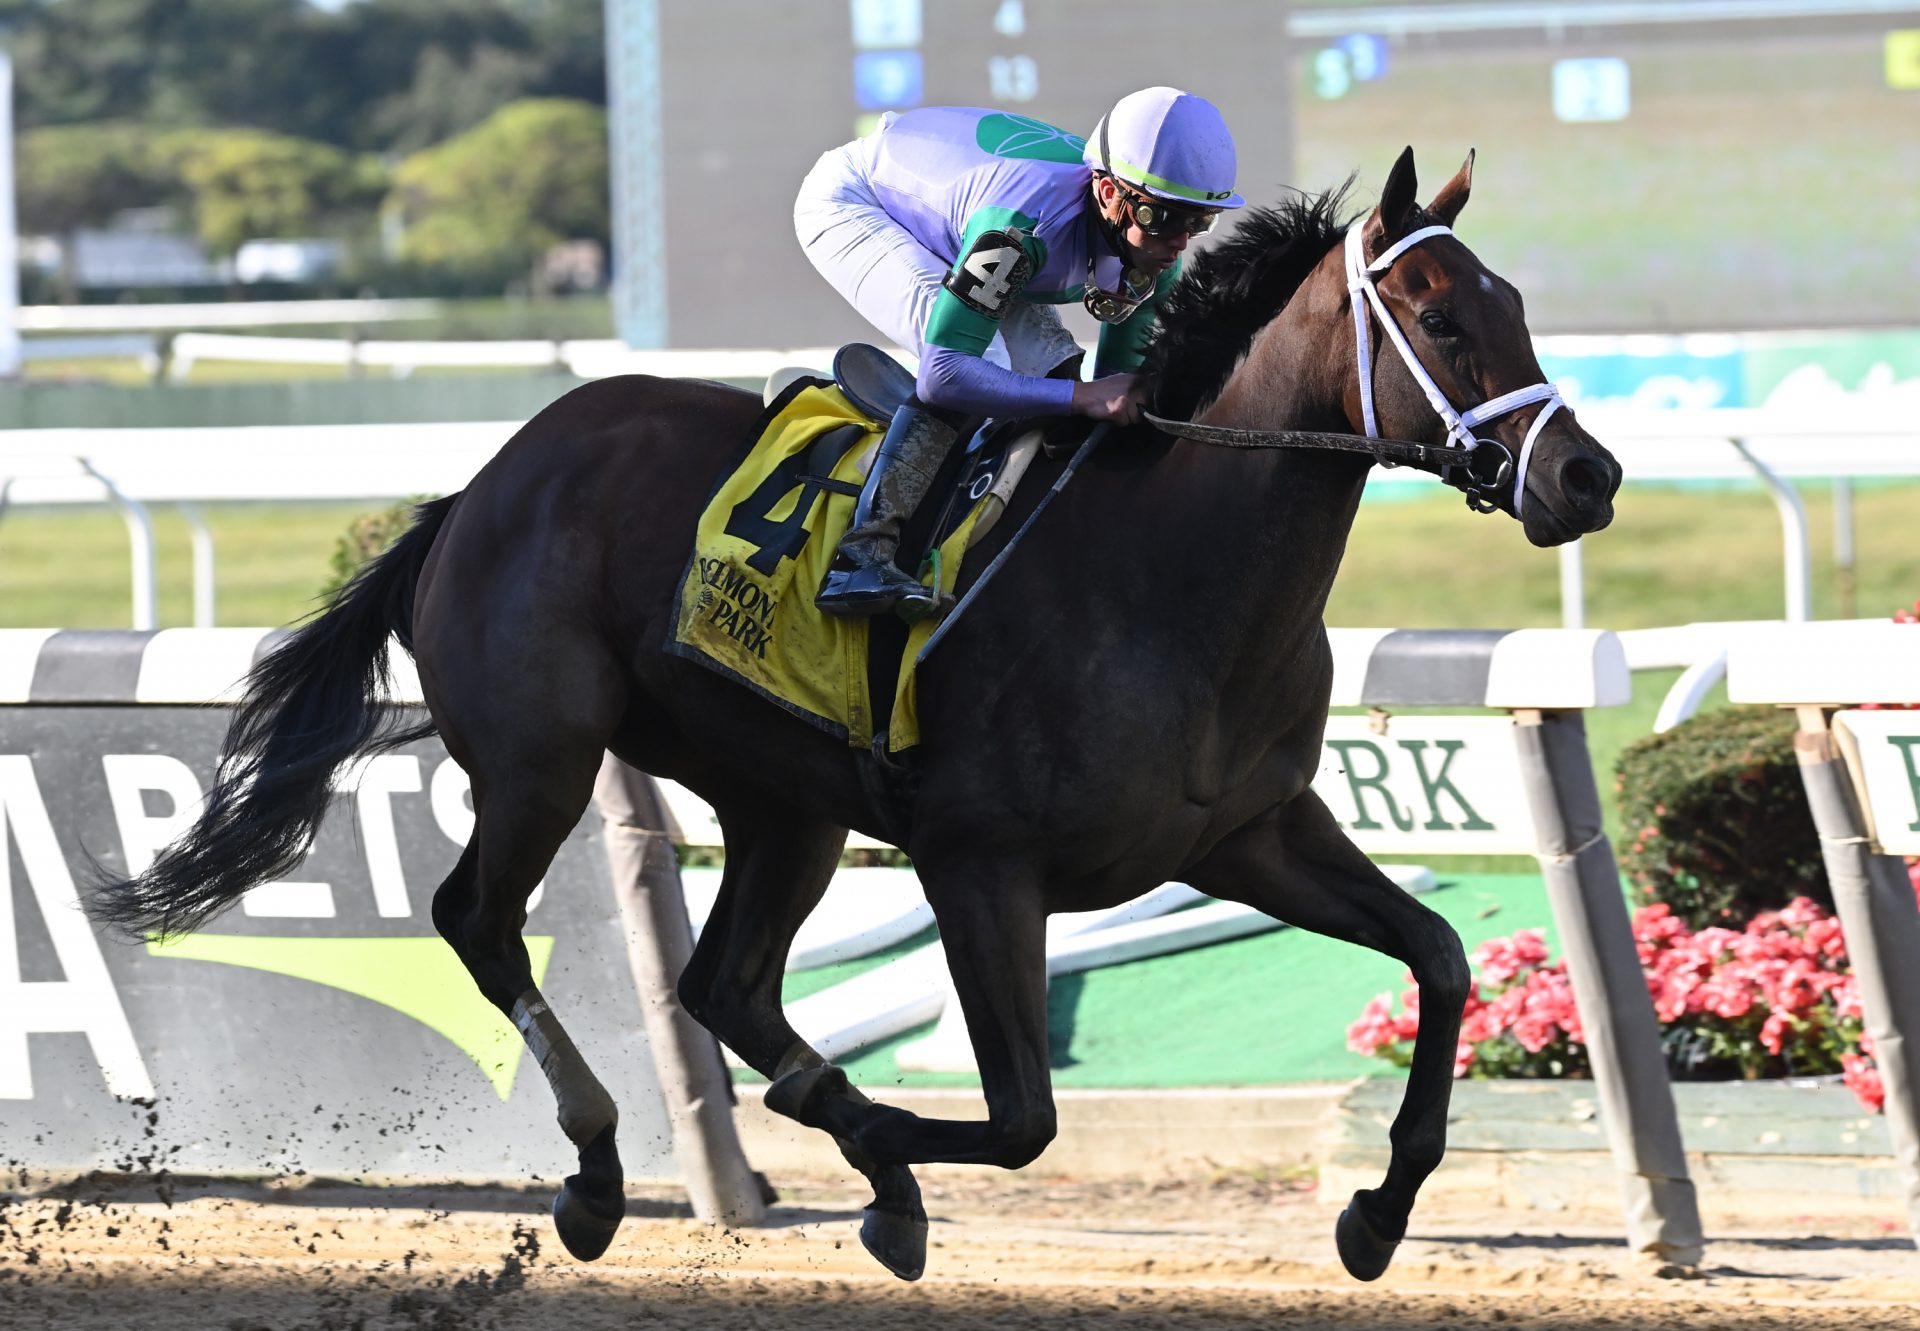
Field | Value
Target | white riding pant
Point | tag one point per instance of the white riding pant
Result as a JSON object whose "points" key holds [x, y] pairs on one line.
{"points": [[890, 277]]}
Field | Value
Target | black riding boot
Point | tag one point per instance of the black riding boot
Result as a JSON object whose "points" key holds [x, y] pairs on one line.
{"points": [[864, 580]]}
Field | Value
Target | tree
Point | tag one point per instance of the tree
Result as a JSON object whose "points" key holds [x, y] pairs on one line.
{"points": [[449, 95], [570, 40], [224, 109], [68, 177], [497, 197], [429, 69], [388, 75], [247, 184], [234, 185], [165, 62]]}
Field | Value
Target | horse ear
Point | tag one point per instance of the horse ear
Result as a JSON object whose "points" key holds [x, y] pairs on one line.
{"points": [[1394, 217], [1452, 197]]}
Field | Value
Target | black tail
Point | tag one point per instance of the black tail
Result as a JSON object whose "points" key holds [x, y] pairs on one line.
{"points": [[311, 704]]}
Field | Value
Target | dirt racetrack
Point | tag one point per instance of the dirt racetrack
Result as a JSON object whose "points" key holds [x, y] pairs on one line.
{"points": [[1008, 1251]]}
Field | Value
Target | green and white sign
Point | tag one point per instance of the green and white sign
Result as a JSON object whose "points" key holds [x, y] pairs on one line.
{"points": [[320, 1026], [1427, 785], [1883, 753]]}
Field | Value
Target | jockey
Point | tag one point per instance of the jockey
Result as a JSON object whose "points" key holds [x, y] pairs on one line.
{"points": [[955, 231]]}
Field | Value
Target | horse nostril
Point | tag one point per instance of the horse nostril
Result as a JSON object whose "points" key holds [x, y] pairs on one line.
{"points": [[1585, 482]]}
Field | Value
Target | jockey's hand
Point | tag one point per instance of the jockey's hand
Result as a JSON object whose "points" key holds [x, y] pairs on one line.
{"points": [[1117, 398]]}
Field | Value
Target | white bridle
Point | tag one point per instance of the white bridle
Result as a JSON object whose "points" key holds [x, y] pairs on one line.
{"points": [[1360, 282]]}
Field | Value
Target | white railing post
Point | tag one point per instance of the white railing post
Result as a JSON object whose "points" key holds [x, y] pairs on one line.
{"points": [[1616, 1014], [1858, 770], [1793, 526], [146, 597], [1874, 900], [202, 566], [1573, 586], [1843, 544], [693, 1080]]}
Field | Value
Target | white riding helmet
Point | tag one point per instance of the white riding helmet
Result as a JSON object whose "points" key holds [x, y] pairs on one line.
{"points": [[1170, 144]]}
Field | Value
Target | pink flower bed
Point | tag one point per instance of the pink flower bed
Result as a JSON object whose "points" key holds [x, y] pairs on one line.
{"points": [[1774, 999]]}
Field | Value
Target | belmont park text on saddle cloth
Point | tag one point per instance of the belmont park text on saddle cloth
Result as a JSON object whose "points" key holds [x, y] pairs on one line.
{"points": [[763, 545]]}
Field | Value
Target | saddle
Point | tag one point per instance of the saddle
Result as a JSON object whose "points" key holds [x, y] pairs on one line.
{"points": [[987, 468], [872, 380], [767, 535]]}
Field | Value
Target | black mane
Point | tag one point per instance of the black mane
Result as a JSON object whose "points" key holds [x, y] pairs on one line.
{"points": [[1234, 289]]}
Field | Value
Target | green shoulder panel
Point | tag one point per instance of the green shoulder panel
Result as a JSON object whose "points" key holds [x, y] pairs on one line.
{"points": [[1027, 139], [954, 324]]}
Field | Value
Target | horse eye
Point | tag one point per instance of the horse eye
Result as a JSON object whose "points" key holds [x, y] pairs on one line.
{"points": [[1436, 324]]}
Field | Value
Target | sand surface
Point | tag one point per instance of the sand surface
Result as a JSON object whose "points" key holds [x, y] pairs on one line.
{"points": [[1007, 1251]]}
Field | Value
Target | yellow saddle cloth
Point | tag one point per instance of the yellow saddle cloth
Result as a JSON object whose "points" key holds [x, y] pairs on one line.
{"points": [[762, 548]]}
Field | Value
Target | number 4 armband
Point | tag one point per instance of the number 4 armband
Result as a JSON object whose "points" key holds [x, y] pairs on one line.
{"points": [[991, 272]]}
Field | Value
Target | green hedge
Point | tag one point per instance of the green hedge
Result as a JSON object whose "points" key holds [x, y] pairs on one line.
{"points": [[1714, 818], [365, 537]]}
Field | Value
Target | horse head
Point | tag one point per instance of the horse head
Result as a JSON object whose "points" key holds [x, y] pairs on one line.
{"points": [[1452, 362]]}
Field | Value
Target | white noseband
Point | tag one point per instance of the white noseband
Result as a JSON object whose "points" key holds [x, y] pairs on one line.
{"points": [[1361, 277]]}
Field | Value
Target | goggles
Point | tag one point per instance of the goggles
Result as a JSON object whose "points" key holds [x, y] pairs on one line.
{"points": [[1112, 307], [1157, 217]]}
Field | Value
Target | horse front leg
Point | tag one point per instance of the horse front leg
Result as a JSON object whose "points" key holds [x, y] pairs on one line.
{"points": [[779, 864], [1297, 865], [993, 928]]}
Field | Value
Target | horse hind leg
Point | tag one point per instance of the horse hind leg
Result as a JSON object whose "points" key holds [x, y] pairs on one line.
{"points": [[480, 910], [778, 867], [993, 929], [1297, 865]]}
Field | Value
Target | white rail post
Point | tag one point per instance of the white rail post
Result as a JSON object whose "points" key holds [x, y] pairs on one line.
{"points": [[146, 596], [1573, 586], [693, 1081], [1843, 544], [1864, 814], [1616, 1013], [1874, 899], [202, 566], [1793, 526]]}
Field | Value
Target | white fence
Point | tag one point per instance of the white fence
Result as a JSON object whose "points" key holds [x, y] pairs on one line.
{"points": [[174, 358], [589, 358], [132, 468], [1775, 448], [1861, 769], [202, 314]]}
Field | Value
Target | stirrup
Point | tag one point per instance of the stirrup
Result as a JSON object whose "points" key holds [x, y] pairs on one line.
{"points": [[871, 589]]}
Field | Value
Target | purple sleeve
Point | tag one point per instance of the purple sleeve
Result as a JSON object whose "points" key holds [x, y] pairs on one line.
{"points": [[962, 382]]}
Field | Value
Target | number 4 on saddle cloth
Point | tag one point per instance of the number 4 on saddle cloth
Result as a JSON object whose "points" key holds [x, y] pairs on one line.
{"points": [[768, 534]]}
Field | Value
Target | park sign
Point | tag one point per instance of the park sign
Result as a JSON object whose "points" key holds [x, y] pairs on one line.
{"points": [[1883, 753], [1408, 782], [322, 1026], [1427, 785], [1865, 672]]}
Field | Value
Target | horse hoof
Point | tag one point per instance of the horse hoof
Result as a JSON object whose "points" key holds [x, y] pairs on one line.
{"points": [[1363, 1251], [799, 1094], [897, 1243], [584, 1228]]}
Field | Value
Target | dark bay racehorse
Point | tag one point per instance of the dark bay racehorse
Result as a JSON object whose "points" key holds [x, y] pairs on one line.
{"points": [[1138, 697]]}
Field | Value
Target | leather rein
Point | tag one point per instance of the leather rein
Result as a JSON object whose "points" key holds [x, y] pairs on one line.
{"points": [[1484, 471]]}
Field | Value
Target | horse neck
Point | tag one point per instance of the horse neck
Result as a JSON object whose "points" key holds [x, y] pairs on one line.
{"points": [[1298, 375]]}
